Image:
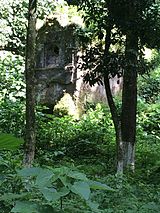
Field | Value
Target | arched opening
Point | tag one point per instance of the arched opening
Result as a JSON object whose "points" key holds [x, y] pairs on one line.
{"points": [[56, 50], [51, 55]]}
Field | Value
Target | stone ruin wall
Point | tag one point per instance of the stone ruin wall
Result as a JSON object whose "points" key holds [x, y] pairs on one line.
{"points": [[56, 69]]}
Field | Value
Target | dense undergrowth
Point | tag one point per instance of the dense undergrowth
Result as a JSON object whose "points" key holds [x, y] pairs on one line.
{"points": [[86, 145]]}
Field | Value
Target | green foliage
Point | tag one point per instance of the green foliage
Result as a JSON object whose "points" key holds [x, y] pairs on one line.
{"points": [[149, 86], [12, 76], [39, 189], [9, 142], [90, 142], [9, 181], [12, 117], [13, 23], [91, 134], [107, 23], [148, 137], [64, 189], [148, 118], [151, 25], [76, 138], [91, 138], [12, 94], [130, 196]]}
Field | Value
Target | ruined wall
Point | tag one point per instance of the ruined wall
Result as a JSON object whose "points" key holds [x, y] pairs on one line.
{"points": [[56, 62], [57, 72]]}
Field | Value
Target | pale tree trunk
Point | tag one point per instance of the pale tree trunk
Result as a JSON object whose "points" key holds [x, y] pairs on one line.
{"points": [[120, 151], [30, 135], [129, 100]]}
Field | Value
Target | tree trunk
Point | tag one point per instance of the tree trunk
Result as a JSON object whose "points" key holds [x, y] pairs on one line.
{"points": [[112, 106], [117, 125], [129, 100], [30, 136]]}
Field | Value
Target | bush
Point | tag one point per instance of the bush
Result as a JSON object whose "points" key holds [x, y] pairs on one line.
{"points": [[148, 118], [76, 137], [12, 76], [149, 86], [12, 94], [44, 189], [12, 117], [130, 196], [148, 137]]}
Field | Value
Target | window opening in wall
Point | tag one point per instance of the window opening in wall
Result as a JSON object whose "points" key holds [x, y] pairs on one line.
{"points": [[51, 55], [56, 50]]}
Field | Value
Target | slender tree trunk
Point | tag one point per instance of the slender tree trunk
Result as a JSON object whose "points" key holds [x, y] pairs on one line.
{"points": [[129, 100], [112, 106], [30, 137], [117, 125]]}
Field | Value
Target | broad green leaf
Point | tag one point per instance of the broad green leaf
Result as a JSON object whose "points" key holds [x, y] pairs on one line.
{"points": [[61, 171], [9, 142], [94, 206], [55, 177], [64, 191], [65, 180], [44, 177], [50, 194], [77, 175], [25, 207], [99, 186], [33, 171], [82, 189]]}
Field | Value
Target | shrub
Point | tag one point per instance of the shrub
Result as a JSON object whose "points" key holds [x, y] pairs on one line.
{"points": [[43, 189]]}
